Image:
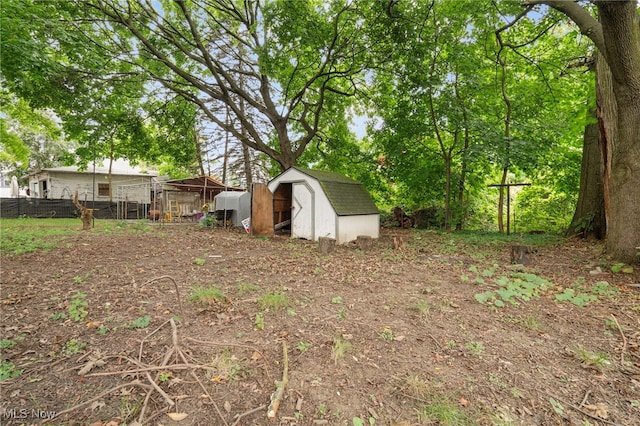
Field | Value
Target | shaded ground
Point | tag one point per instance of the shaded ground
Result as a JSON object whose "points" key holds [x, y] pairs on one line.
{"points": [[389, 336]]}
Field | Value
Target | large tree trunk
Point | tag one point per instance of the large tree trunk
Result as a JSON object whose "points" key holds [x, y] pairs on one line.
{"points": [[589, 218], [621, 32], [617, 37]]}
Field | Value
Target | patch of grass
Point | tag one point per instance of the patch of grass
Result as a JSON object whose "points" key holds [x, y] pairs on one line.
{"points": [[434, 407], [531, 323], [476, 348], [209, 296], [422, 308], [444, 412], [243, 288], [78, 279], [416, 385], [340, 348], [597, 360], [274, 301], [26, 235]]}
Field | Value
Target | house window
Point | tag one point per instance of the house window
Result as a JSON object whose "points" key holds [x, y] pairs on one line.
{"points": [[103, 189]]}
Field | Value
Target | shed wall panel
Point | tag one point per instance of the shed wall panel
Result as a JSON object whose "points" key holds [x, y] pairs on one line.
{"points": [[350, 227]]}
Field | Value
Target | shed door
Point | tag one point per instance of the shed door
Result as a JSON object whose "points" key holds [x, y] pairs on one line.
{"points": [[303, 204]]}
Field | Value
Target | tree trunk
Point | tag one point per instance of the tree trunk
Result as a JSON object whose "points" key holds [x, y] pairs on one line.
{"points": [[589, 218], [503, 182], [621, 32]]}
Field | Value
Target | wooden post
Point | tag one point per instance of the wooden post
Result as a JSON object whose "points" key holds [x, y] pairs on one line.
{"points": [[326, 245], [364, 242]]}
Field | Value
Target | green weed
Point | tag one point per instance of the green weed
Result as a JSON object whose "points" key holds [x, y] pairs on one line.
{"points": [[72, 347], [58, 316], [386, 334], [141, 322], [226, 366], [577, 298], [517, 287], [198, 261], [476, 348], [303, 346], [342, 314], [259, 321], [78, 279], [7, 344], [8, 370], [77, 311], [597, 360]]}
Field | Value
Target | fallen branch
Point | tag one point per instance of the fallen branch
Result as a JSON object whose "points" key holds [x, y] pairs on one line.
{"points": [[624, 339], [246, 413], [96, 398], [278, 395], [175, 284], [237, 345], [581, 411]]}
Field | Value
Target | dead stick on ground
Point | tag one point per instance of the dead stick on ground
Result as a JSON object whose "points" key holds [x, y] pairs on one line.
{"points": [[175, 284], [580, 410], [624, 339], [277, 396], [96, 398], [160, 391], [174, 336], [147, 337], [246, 413]]}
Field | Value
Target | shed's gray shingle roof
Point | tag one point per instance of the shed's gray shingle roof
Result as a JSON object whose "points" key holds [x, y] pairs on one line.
{"points": [[347, 196]]}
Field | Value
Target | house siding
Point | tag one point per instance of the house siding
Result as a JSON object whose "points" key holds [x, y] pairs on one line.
{"points": [[62, 185]]}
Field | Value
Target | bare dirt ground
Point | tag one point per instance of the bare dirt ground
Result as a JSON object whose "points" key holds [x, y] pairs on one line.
{"points": [[109, 329]]}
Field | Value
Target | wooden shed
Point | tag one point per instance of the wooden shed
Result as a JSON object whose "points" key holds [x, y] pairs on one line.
{"points": [[320, 203]]}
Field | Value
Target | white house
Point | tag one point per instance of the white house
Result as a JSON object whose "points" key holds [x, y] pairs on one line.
{"points": [[323, 204], [126, 184]]}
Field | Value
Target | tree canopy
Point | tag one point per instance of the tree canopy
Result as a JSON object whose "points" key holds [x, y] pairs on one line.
{"points": [[460, 94]]}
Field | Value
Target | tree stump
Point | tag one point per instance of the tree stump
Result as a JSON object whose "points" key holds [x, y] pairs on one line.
{"points": [[86, 215], [364, 242], [398, 243], [326, 245], [521, 254]]}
